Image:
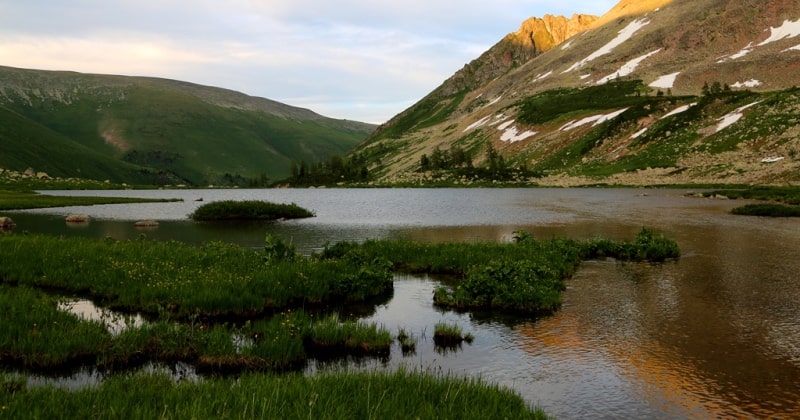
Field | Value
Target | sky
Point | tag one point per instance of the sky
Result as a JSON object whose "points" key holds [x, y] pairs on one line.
{"points": [[363, 60]]}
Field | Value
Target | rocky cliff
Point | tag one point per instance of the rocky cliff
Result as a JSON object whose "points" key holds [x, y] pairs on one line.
{"points": [[654, 91]]}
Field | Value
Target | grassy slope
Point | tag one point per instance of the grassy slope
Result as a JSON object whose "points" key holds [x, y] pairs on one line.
{"points": [[26, 143], [159, 126]]}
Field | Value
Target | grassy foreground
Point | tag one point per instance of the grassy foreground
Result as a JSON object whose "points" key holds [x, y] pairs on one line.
{"points": [[329, 396]]}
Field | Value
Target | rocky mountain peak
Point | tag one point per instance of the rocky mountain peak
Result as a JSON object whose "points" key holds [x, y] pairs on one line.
{"points": [[542, 34]]}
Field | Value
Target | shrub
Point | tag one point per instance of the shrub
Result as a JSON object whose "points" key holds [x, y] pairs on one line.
{"points": [[248, 210]]}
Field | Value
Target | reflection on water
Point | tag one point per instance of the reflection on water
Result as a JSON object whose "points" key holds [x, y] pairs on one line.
{"points": [[715, 334], [115, 322]]}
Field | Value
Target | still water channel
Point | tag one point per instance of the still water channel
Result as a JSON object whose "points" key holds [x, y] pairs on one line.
{"points": [[715, 334]]}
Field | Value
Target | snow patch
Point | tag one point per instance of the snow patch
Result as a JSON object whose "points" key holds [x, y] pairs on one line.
{"points": [[748, 83], [505, 125], [480, 123], [639, 133], [566, 45], [678, 110], [496, 100], [624, 35], [795, 48], [772, 159], [628, 67], [733, 117], [665, 82], [498, 119], [585, 76], [596, 119], [789, 29], [542, 76], [512, 135]]}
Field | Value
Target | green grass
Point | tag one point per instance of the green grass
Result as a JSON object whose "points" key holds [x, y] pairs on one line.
{"points": [[248, 210], [17, 200], [401, 394], [165, 134], [767, 210], [527, 276], [448, 335], [171, 278], [787, 195]]}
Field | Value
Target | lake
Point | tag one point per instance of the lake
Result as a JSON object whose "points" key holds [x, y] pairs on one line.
{"points": [[715, 334]]}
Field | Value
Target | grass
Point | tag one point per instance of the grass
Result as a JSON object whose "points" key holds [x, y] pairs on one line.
{"points": [[526, 277], [448, 335], [216, 280], [327, 396], [170, 134], [248, 210], [787, 195], [18, 200], [790, 196], [36, 335], [767, 210]]}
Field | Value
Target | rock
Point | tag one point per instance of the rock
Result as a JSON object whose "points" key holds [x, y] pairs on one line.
{"points": [[146, 224], [6, 223], [42, 175], [78, 218]]}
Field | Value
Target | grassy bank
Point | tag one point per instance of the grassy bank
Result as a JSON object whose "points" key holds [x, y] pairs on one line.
{"points": [[19, 200], [36, 335], [785, 200], [217, 280], [526, 276], [331, 396]]}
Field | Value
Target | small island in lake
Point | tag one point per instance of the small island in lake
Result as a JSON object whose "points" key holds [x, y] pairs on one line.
{"points": [[248, 210]]}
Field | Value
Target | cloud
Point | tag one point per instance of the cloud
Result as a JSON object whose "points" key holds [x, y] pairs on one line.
{"points": [[355, 59]]}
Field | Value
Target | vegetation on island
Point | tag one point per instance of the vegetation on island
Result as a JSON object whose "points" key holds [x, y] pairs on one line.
{"points": [[226, 309], [782, 201], [248, 210]]}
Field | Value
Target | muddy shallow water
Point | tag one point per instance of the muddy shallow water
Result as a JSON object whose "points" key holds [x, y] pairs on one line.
{"points": [[715, 334]]}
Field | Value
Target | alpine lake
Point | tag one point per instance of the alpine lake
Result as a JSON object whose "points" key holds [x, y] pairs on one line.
{"points": [[713, 334]]}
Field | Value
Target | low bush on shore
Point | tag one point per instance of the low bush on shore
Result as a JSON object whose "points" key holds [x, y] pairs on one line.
{"points": [[248, 210]]}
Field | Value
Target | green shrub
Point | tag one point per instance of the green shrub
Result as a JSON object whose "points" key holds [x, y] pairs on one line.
{"points": [[248, 210]]}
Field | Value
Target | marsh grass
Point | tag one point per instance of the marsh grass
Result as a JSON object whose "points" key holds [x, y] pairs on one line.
{"points": [[526, 276], [35, 335], [450, 335], [767, 210], [248, 210], [326, 396], [217, 280], [330, 336], [18, 200], [407, 341]]}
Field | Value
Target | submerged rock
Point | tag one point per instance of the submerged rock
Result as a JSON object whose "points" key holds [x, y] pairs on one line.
{"points": [[6, 223], [78, 218], [146, 223]]}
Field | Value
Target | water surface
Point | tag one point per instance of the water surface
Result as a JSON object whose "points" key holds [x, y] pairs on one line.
{"points": [[715, 334]]}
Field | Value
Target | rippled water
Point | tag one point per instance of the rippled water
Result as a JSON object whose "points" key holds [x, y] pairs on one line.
{"points": [[715, 334]]}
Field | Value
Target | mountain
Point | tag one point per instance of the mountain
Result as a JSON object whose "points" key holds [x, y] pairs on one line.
{"points": [[652, 92], [149, 130]]}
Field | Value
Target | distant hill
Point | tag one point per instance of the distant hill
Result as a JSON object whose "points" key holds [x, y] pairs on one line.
{"points": [[652, 92], [149, 130]]}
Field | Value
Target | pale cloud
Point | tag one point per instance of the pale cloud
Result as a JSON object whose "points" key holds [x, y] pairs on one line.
{"points": [[355, 59]]}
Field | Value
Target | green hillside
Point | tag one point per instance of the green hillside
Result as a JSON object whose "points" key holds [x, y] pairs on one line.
{"points": [[157, 131]]}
